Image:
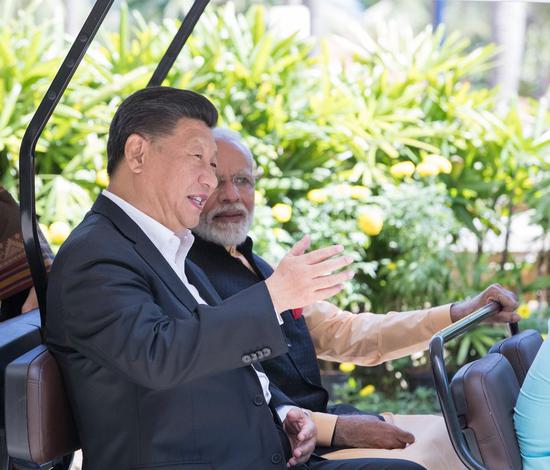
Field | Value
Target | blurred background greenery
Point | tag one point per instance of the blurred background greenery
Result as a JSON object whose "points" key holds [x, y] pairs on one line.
{"points": [[392, 140]]}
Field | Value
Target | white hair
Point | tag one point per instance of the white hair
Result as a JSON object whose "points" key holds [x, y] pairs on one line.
{"points": [[232, 137]]}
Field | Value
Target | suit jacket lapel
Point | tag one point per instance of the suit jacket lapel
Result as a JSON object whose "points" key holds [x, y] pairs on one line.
{"points": [[197, 277], [145, 248], [157, 262], [262, 268], [265, 269]]}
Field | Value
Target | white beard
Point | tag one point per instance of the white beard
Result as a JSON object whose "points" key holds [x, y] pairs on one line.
{"points": [[224, 233]]}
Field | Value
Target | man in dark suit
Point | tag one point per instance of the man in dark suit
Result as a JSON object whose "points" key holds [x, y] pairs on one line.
{"points": [[159, 371], [225, 253]]}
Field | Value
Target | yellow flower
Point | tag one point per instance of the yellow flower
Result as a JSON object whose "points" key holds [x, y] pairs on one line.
{"points": [[367, 390], [281, 212], [524, 311], [401, 169], [441, 162], [347, 367], [59, 231], [102, 178], [370, 220], [392, 266], [317, 196], [360, 192], [427, 169]]}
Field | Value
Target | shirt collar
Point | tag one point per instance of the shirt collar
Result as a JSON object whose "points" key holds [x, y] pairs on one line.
{"points": [[244, 248], [171, 245]]}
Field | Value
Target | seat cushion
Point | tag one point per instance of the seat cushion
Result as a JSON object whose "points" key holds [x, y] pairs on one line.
{"points": [[485, 392]]}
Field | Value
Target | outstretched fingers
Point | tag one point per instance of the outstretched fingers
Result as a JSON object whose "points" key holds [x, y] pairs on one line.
{"points": [[329, 280], [322, 254], [301, 246], [330, 265], [301, 279], [322, 294]]}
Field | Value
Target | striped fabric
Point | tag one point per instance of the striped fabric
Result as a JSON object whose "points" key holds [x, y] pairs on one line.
{"points": [[15, 274]]}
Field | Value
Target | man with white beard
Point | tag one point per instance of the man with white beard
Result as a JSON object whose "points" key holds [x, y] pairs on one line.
{"points": [[225, 252], [227, 224]]}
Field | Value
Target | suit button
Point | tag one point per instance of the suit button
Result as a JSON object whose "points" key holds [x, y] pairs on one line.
{"points": [[259, 400], [246, 359], [266, 352], [276, 458]]}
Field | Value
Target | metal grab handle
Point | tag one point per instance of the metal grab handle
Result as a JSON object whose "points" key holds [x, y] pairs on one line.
{"points": [[466, 323], [28, 144], [441, 379], [178, 42]]}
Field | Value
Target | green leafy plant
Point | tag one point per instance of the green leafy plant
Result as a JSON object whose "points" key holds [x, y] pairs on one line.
{"points": [[421, 400], [326, 135]]}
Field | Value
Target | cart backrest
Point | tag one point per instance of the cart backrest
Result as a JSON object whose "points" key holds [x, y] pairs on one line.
{"points": [[485, 393], [520, 350]]}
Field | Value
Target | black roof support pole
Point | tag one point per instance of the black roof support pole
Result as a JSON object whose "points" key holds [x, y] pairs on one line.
{"points": [[28, 145], [178, 42]]}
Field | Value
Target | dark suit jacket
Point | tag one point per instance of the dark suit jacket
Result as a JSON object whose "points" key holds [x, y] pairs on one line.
{"points": [[295, 373], [155, 380]]}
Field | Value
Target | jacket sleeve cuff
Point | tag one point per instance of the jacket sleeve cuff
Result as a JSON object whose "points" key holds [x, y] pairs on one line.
{"points": [[325, 428]]}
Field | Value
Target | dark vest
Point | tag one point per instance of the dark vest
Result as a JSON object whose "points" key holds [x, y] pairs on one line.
{"points": [[295, 373]]}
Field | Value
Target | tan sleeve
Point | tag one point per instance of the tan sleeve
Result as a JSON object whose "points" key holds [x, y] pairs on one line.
{"points": [[368, 339], [325, 427]]}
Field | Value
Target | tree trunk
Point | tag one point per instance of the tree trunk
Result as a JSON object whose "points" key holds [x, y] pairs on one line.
{"points": [[317, 27], [508, 229], [509, 22], [75, 14]]}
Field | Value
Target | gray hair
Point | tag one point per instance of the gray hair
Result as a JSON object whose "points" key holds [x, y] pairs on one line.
{"points": [[232, 137]]}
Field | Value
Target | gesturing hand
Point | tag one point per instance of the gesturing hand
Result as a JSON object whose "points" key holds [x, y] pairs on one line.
{"points": [[369, 432], [304, 278], [302, 434]]}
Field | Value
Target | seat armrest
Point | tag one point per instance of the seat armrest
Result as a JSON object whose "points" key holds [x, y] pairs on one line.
{"points": [[39, 422]]}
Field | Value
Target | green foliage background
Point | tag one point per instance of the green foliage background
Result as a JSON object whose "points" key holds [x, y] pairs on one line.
{"points": [[312, 122]]}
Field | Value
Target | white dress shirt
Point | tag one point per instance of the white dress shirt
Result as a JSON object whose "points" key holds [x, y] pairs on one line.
{"points": [[174, 247]]}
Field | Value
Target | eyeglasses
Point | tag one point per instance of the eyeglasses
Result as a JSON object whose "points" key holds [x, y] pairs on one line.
{"points": [[240, 181]]}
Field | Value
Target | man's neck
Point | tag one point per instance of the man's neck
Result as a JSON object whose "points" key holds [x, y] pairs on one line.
{"points": [[144, 203]]}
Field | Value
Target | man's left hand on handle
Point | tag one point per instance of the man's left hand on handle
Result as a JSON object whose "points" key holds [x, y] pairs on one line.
{"points": [[494, 293]]}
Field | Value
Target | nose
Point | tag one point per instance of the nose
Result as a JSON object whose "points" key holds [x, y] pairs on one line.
{"points": [[228, 192]]}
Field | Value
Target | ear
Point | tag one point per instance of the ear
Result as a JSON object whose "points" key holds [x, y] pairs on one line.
{"points": [[135, 151]]}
